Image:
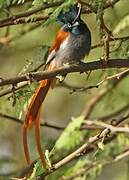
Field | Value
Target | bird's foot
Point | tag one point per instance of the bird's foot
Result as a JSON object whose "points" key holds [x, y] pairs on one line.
{"points": [[61, 78], [73, 63]]}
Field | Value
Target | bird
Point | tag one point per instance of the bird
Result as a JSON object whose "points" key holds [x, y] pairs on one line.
{"points": [[72, 44]]}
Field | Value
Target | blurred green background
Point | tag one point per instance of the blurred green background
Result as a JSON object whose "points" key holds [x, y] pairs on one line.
{"points": [[26, 51]]}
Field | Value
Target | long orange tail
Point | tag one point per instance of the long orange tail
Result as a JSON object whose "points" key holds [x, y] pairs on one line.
{"points": [[33, 118]]}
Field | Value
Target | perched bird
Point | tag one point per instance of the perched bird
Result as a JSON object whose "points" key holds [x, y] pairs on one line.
{"points": [[72, 43]]}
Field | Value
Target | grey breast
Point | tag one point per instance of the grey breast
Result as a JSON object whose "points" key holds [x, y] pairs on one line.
{"points": [[74, 48]]}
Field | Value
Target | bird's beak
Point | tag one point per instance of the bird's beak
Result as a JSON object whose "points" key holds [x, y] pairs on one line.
{"points": [[75, 24]]}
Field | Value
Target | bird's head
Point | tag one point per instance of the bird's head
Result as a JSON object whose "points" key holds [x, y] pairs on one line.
{"points": [[72, 20], [70, 16]]}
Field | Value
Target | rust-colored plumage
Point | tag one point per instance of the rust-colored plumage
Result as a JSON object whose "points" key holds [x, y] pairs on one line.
{"points": [[61, 36], [33, 118], [33, 113]]}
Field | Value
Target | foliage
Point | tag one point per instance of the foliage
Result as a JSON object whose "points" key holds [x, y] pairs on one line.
{"points": [[71, 136], [20, 54], [64, 7], [36, 3], [99, 7]]}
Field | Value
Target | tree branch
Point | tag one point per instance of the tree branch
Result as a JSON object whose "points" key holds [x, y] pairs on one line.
{"points": [[82, 150], [86, 168], [126, 38], [101, 93], [82, 67], [119, 112], [91, 9], [19, 121], [64, 85], [29, 13], [83, 89], [20, 18], [109, 126], [23, 21]]}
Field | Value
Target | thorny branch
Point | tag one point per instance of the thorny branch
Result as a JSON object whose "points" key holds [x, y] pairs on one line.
{"points": [[74, 155], [122, 39], [84, 170], [86, 124], [82, 150], [106, 38], [20, 18], [74, 89], [24, 21], [81, 67], [24, 84], [14, 18], [85, 148], [109, 126], [95, 99]]}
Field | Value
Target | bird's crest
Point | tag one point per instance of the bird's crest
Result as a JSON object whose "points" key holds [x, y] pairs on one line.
{"points": [[70, 16]]}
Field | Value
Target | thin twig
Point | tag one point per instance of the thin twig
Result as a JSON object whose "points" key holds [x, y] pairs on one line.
{"points": [[126, 38], [20, 18], [119, 112], [89, 107], [82, 67], [19, 121], [23, 21], [74, 89], [82, 150], [84, 170], [109, 126], [30, 12]]}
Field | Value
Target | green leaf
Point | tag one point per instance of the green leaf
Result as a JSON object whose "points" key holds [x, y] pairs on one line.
{"points": [[1, 3], [99, 7], [37, 170], [63, 7], [37, 3], [71, 135], [23, 96], [101, 145], [78, 165], [94, 172], [20, 1], [4, 3]]}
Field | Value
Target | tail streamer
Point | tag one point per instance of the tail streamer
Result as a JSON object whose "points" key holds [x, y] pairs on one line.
{"points": [[33, 119]]}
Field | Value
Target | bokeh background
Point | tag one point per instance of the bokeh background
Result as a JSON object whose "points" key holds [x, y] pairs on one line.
{"points": [[24, 52]]}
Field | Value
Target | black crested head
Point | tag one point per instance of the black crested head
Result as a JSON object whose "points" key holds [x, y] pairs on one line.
{"points": [[70, 16], [72, 21]]}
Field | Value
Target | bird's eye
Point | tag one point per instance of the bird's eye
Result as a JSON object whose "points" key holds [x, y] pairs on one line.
{"points": [[69, 25]]}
